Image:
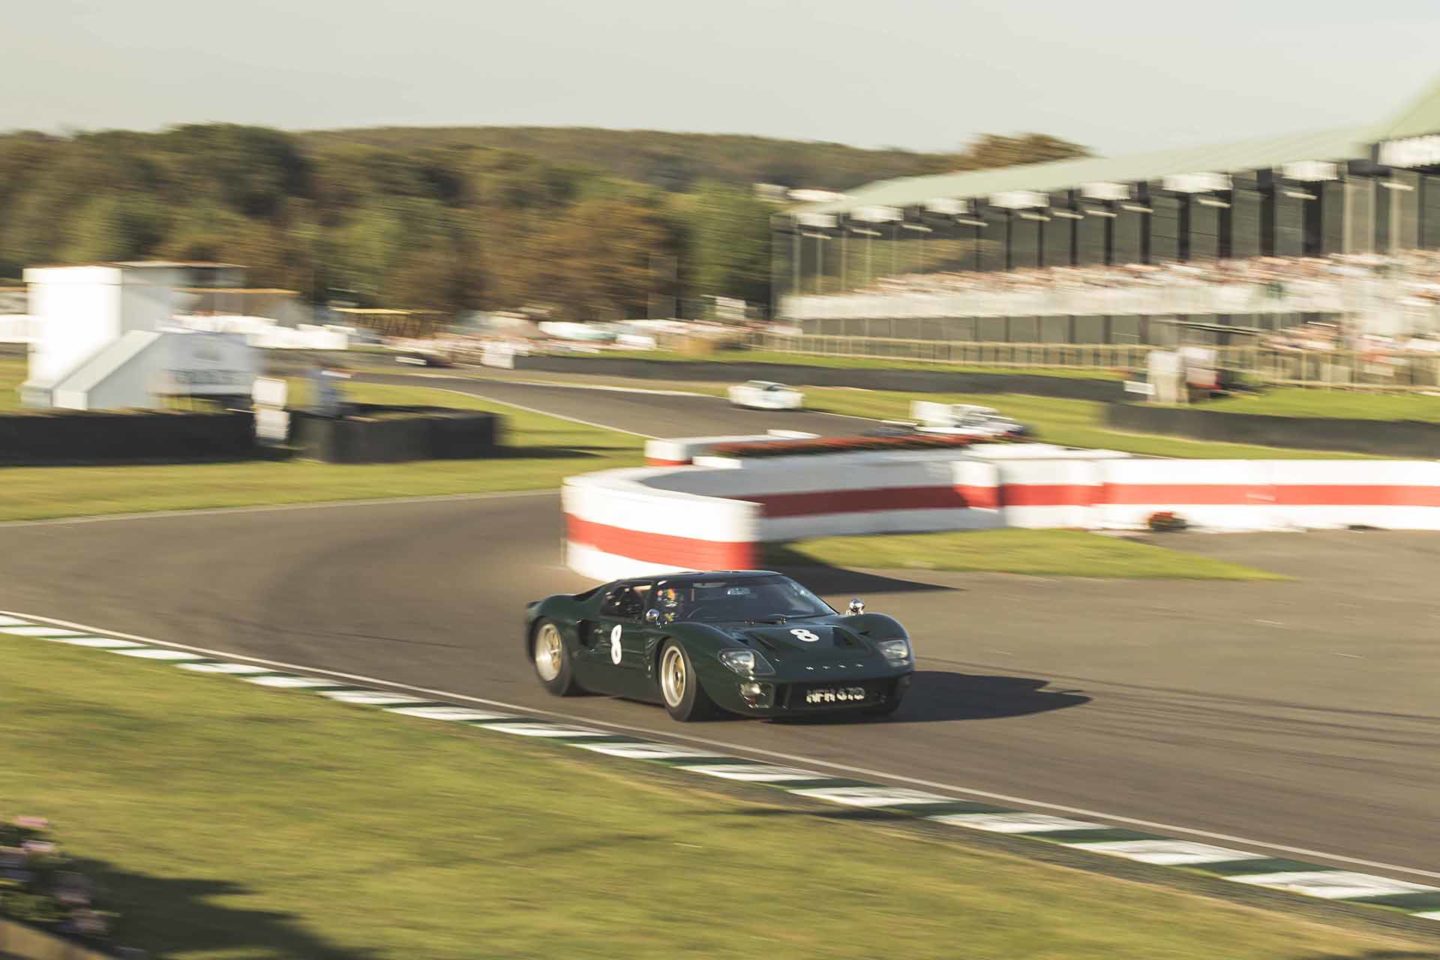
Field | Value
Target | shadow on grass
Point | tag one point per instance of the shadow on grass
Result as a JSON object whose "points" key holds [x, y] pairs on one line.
{"points": [[549, 453], [823, 578], [168, 916], [940, 696]]}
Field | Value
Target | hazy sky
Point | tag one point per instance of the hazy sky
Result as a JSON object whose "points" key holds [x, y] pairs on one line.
{"points": [[1118, 75]]}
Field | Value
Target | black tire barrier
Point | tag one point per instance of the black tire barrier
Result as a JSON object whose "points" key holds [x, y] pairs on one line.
{"points": [[915, 381], [1394, 438], [383, 434], [59, 437]]}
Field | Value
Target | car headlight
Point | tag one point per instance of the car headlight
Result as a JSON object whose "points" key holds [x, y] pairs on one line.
{"points": [[747, 663], [896, 651]]}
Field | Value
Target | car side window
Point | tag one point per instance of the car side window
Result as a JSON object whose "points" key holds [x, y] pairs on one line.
{"points": [[625, 602]]}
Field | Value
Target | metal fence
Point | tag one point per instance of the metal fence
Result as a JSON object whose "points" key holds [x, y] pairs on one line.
{"points": [[1332, 369]]}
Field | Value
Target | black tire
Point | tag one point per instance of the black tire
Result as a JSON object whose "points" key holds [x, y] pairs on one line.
{"points": [[692, 702], [555, 672]]}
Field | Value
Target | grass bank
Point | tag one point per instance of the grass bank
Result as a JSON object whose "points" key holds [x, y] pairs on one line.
{"points": [[1352, 405], [12, 374], [1078, 423], [542, 452], [225, 821], [1054, 553]]}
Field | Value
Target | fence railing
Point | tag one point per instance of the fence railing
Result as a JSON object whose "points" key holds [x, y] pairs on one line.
{"points": [[1331, 369]]}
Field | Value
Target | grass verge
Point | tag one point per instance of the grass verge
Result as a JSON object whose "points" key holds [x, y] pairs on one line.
{"points": [[1058, 553], [1076, 423], [543, 451], [225, 821], [12, 374], [1301, 402]]}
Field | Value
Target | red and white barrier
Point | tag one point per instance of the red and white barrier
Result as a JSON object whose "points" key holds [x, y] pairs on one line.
{"points": [[619, 523], [716, 513], [1240, 495]]}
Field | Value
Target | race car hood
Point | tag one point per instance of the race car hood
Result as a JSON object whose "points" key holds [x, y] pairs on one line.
{"points": [[804, 640]]}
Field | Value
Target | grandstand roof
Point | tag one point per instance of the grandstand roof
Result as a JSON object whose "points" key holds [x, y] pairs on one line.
{"points": [[1420, 116], [1348, 143]]}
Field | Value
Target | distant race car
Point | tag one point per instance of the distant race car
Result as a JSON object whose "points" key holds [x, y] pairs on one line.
{"points": [[750, 642], [765, 395], [419, 358], [965, 420]]}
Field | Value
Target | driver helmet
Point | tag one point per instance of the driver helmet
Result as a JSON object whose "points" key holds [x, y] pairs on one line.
{"points": [[667, 599]]}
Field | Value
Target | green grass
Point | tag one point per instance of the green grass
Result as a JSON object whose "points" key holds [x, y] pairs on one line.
{"points": [[1302, 402], [1077, 423], [1057, 553], [544, 450], [227, 821], [858, 363], [12, 374]]}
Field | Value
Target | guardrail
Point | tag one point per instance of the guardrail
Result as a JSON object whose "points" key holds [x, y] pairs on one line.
{"points": [[1397, 370]]}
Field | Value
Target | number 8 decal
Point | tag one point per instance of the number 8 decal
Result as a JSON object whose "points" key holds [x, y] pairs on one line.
{"points": [[805, 635]]}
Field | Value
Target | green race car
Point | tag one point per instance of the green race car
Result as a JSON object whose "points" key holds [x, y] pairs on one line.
{"points": [[749, 642]]}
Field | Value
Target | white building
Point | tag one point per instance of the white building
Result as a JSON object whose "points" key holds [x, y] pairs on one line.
{"points": [[103, 336]]}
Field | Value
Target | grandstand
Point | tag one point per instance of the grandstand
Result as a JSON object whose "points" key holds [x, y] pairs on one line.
{"points": [[1218, 244]]}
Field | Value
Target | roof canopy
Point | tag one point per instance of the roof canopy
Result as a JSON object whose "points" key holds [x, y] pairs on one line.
{"points": [[1348, 143], [1420, 116]]}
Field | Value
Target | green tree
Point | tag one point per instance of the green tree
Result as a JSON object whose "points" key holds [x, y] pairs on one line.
{"points": [[994, 150], [728, 251], [598, 261], [115, 227]]}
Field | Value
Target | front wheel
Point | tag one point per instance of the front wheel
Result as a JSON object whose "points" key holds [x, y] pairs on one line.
{"points": [[552, 665], [685, 700]]}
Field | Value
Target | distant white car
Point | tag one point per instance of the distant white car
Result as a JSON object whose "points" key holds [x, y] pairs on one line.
{"points": [[765, 395], [965, 420]]}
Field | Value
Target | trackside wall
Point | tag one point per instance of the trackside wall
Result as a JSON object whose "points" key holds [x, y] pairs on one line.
{"points": [[717, 513], [675, 452], [618, 524]]}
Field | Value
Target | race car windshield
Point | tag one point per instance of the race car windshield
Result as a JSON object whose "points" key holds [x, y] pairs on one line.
{"points": [[756, 599]]}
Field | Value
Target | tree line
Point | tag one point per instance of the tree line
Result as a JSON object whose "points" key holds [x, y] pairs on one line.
{"points": [[435, 220]]}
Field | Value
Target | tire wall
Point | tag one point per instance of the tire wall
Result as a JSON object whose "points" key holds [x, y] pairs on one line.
{"points": [[439, 436], [97, 437]]}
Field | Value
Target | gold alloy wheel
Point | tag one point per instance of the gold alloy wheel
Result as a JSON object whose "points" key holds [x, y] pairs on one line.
{"points": [[672, 676], [549, 653]]}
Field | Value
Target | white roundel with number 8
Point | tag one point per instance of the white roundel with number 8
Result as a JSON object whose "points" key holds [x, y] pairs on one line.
{"points": [[805, 635]]}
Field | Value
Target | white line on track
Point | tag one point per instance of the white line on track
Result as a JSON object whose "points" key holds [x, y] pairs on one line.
{"points": [[757, 751], [543, 413], [603, 387], [603, 426], [534, 383]]}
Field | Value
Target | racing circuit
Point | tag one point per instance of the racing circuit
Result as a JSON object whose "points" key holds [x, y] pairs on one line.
{"points": [[1291, 714]]}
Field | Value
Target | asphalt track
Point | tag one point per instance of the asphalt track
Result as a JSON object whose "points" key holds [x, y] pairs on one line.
{"points": [[1301, 714], [649, 410]]}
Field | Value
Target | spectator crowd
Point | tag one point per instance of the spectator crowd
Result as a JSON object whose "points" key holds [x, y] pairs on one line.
{"points": [[1389, 296]]}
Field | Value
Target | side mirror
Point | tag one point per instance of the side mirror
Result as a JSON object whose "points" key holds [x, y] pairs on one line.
{"points": [[857, 607], [652, 616]]}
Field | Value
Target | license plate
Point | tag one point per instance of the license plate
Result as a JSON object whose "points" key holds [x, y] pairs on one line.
{"points": [[816, 696]]}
